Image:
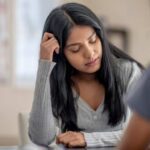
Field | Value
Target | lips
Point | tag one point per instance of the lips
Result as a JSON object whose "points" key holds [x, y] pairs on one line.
{"points": [[92, 62]]}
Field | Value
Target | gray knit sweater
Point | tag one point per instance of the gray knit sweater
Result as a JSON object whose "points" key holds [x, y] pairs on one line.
{"points": [[44, 127]]}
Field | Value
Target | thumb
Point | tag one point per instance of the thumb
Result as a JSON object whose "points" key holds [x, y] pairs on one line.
{"points": [[57, 50]]}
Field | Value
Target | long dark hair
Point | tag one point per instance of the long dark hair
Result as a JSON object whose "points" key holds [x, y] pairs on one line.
{"points": [[59, 22]]}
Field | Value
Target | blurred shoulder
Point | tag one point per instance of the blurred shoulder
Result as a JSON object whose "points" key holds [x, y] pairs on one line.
{"points": [[127, 67], [128, 71]]}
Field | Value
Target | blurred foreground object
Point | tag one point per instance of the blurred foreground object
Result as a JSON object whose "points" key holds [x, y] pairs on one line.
{"points": [[137, 135]]}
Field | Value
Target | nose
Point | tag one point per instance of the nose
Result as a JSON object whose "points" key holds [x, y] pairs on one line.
{"points": [[89, 51]]}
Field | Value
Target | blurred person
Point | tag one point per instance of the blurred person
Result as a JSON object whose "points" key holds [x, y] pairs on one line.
{"points": [[137, 134], [80, 82]]}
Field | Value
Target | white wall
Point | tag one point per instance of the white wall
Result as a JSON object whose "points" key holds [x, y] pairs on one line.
{"points": [[132, 14], [12, 101]]}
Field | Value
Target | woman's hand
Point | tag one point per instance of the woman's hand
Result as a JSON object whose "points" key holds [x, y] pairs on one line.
{"points": [[71, 139], [48, 45]]}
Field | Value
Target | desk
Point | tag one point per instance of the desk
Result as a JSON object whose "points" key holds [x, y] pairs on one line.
{"points": [[59, 147]]}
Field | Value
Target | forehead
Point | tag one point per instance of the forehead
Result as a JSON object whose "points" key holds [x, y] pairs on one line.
{"points": [[79, 33]]}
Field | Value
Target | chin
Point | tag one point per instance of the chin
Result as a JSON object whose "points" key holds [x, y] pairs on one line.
{"points": [[92, 70]]}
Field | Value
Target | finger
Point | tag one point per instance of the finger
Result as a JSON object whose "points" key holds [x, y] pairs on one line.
{"points": [[53, 41], [61, 135], [57, 50], [64, 134], [65, 137], [73, 143], [52, 45], [47, 36], [76, 143], [72, 139], [62, 139]]}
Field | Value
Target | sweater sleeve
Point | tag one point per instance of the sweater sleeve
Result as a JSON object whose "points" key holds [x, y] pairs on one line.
{"points": [[42, 129], [111, 138], [102, 139]]}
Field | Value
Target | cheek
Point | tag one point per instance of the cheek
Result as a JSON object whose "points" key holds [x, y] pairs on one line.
{"points": [[99, 49], [74, 60], [70, 57]]}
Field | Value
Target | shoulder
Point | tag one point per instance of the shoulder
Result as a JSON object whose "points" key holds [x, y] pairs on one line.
{"points": [[128, 71], [126, 66]]}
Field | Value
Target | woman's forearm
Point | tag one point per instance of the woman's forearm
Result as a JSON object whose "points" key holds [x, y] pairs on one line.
{"points": [[42, 129]]}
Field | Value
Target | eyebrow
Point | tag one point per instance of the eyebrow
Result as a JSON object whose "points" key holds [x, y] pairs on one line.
{"points": [[73, 44]]}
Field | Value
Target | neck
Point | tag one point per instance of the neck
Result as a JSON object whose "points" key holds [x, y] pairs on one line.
{"points": [[85, 77]]}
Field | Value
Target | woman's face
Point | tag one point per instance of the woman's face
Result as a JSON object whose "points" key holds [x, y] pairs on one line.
{"points": [[83, 49]]}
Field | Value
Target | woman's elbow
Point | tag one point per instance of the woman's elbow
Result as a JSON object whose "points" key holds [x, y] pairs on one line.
{"points": [[40, 140]]}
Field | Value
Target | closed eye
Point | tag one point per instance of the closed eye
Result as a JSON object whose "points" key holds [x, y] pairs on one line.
{"points": [[93, 39], [74, 49]]}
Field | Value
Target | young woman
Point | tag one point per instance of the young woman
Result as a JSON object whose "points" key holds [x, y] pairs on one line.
{"points": [[80, 82]]}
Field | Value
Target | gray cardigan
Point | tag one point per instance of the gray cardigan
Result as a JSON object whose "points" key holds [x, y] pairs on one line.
{"points": [[44, 127]]}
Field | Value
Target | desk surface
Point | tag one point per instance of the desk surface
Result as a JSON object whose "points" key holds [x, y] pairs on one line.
{"points": [[33, 147]]}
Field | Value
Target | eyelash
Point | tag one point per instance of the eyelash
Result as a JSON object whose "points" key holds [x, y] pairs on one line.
{"points": [[75, 51], [91, 41]]}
